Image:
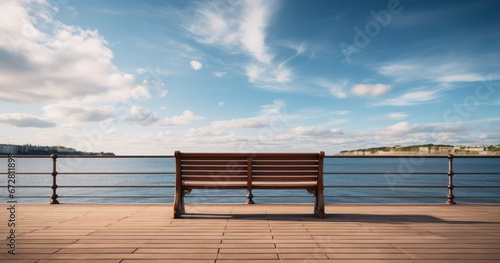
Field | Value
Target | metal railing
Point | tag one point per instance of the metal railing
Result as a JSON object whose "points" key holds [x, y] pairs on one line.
{"points": [[448, 190]]}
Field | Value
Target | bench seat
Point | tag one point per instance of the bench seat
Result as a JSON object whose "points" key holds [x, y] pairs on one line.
{"points": [[249, 171]]}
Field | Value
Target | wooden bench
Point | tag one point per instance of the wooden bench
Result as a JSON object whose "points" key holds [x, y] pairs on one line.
{"points": [[249, 171]]}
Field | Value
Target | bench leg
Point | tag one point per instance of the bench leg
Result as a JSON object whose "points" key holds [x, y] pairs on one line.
{"points": [[178, 205], [249, 198], [319, 206], [177, 208]]}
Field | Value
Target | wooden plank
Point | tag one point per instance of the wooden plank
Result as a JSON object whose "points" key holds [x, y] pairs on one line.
{"points": [[285, 173], [213, 168], [210, 178], [280, 162], [224, 162], [280, 232], [218, 173]]}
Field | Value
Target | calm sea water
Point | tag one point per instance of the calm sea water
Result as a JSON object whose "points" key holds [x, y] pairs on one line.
{"points": [[394, 181]]}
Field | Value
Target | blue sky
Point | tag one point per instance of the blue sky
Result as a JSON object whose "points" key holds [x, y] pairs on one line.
{"points": [[151, 77]]}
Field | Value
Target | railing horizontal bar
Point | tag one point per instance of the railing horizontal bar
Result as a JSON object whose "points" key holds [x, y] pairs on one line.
{"points": [[26, 196], [116, 186], [28, 186], [48, 156], [385, 156], [385, 173], [244, 197], [478, 197], [114, 173], [18, 173], [461, 173], [115, 197], [92, 173], [383, 196], [410, 156], [477, 186], [385, 186]]}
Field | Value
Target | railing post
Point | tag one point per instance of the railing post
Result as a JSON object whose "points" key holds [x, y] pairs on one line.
{"points": [[54, 195], [450, 181]]}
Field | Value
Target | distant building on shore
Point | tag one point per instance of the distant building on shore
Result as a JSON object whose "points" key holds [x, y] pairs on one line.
{"points": [[40, 150]]}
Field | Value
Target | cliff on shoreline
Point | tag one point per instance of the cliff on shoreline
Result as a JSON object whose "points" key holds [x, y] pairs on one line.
{"points": [[427, 149]]}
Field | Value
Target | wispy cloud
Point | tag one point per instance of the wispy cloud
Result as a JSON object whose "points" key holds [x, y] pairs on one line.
{"points": [[371, 90], [219, 74], [337, 89], [241, 28], [316, 131], [411, 98], [438, 69], [393, 116]]}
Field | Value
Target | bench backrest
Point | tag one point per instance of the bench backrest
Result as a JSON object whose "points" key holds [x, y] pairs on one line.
{"points": [[271, 167]]}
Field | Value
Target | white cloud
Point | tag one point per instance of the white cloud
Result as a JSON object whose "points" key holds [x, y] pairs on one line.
{"points": [[411, 98], [240, 27], [371, 90], [196, 65], [438, 69], [186, 118], [24, 120], [400, 128], [406, 128], [43, 59], [142, 116], [316, 131], [256, 16], [461, 78], [337, 89], [219, 74], [206, 131], [269, 116], [75, 112], [141, 70], [242, 123], [221, 103], [393, 116]]}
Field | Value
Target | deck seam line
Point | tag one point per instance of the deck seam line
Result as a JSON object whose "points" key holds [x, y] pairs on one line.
{"points": [[222, 238], [272, 236], [400, 249]]}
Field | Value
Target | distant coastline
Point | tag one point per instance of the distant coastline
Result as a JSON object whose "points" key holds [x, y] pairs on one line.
{"points": [[427, 149], [29, 149]]}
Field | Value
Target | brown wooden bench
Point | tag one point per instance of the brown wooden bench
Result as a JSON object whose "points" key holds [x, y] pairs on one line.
{"points": [[249, 171]]}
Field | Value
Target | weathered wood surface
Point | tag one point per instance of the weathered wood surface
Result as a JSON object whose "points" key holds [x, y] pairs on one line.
{"points": [[253, 233]]}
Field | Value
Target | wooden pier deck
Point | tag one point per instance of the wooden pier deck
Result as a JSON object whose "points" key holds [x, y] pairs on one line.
{"points": [[252, 233]]}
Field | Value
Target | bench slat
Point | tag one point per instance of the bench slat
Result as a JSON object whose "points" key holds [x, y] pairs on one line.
{"points": [[285, 156], [216, 173], [215, 162], [213, 185], [283, 185], [214, 178], [284, 162], [284, 178], [213, 168], [285, 173]]}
